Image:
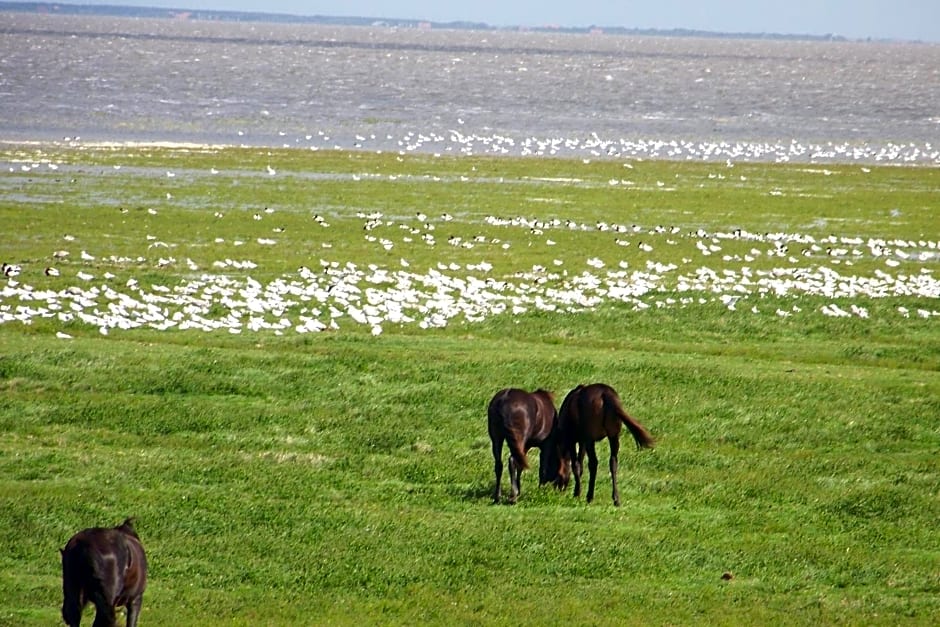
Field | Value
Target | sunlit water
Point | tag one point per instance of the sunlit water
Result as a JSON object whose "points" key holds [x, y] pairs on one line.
{"points": [[467, 92]]}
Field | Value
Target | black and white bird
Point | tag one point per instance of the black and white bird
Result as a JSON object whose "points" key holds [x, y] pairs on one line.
{"points": [[11, 270]]}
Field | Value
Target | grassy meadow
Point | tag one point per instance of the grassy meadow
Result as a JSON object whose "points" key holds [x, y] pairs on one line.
{"points": [[279, 361]]}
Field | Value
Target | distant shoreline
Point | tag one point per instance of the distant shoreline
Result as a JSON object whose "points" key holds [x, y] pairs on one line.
{"points": [[49, 8]]}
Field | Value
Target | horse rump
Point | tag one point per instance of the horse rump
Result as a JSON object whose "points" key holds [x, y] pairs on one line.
{"points": [[106, 567]]}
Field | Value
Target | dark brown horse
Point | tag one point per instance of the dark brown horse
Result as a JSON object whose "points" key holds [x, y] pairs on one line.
{"points": [[523, 420], [106, 567], [588, 414]]}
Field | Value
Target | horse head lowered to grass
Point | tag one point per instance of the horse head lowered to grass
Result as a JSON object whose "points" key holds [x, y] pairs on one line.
{"points": [[106, 567], [523, 420], [588, 414]]}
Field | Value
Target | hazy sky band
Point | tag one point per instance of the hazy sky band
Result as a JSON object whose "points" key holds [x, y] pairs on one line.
{"points": [[917, 20]]}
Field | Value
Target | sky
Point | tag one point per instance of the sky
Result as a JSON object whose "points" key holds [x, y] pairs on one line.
{"points": [[855, 19]]}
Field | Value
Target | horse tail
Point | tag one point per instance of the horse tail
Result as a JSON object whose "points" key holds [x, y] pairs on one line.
{"points": [[75, 573], [76, 564], [128, 526], [640, 435]]}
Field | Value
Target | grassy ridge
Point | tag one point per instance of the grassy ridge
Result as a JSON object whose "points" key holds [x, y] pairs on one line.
{"points": [[344, 478]]}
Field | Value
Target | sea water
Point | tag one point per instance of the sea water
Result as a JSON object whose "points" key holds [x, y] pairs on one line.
{"points": [[81, 78]]}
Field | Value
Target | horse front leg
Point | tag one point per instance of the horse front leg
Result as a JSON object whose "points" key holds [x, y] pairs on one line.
{"points": [[614, 453], [514, 483], [592, 468], [577, 463]]}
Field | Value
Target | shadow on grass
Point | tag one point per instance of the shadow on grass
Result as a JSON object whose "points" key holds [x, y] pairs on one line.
{"points": [[473, 493]]}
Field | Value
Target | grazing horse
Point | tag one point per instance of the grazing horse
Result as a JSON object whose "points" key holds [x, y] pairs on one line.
{"points": [[523, 420], [105, 567], [588, 414]]}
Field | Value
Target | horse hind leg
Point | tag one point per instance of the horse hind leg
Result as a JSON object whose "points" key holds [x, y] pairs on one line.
{"points": [[577, 467], [498, 470], [614, 455], [133, 610], [592, 468]]}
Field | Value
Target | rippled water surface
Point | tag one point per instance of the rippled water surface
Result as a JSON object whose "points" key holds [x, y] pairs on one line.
{"points": [[117, 79]]}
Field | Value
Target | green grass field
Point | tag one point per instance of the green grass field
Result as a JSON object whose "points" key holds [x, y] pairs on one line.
{"points": [[279, 361]]}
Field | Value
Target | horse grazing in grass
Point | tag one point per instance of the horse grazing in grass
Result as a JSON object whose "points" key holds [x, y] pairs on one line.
{"points": [[106, 567], [523, 420], [588, 414]]}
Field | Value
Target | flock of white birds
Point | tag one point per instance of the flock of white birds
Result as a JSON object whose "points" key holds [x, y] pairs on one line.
{"points": [[81, 287], [333, 294], [466, 143]]}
